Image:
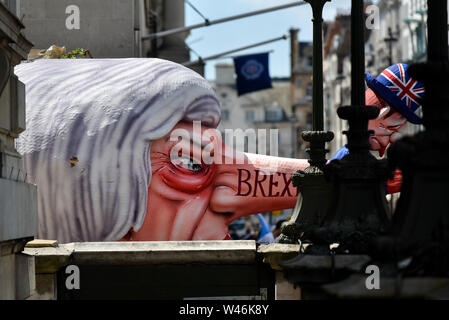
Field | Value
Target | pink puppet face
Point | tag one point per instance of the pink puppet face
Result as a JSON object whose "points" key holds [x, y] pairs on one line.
{"points": [[193, 198], [386, 126]]}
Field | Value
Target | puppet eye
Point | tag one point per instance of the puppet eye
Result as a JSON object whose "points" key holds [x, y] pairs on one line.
{"points": [[187, 164], [394, 128], [188, 174]]}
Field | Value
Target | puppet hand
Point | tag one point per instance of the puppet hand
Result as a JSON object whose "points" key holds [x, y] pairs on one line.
{"points": [[394, 185]]}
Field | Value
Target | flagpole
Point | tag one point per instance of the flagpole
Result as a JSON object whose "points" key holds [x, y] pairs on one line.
{"points": [[189, 63], [242, 55], [209, 23]]}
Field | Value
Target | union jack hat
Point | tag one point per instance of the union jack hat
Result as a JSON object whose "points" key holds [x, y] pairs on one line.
{"points": [[399, 90]]}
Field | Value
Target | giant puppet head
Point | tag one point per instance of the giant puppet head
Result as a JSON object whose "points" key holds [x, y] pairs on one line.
{"points": [[99, 145], [398, 96]]}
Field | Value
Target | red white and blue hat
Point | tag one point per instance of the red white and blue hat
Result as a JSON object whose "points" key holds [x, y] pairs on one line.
{"points": [[399, 90]]}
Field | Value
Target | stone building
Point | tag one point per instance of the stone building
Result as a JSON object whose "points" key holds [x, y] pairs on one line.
{"points": [[301, 91], [402, 25], [287, 107], [18, 199], [107, 28], [265, 109], [161, 15], [337, 76]]}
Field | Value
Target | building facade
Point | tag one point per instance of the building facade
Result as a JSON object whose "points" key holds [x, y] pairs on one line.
{"points": [[401, 35], [18, 198], [337, 76], [302, 94], [107, 28]]}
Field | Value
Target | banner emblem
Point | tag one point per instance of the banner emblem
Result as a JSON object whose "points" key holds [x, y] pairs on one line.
{"points": [[252, 69]]}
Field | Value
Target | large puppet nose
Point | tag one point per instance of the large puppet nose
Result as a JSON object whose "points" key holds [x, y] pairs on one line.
{"points": [[261, 184]]}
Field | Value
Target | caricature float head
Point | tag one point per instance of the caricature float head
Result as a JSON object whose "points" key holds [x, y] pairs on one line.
{"points": [[386, 126], [398, 96], [98, 146]]}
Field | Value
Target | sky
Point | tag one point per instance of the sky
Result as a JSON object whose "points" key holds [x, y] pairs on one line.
{"points": [[234, 34]]}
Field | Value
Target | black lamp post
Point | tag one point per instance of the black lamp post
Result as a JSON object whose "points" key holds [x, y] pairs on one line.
{"points": [[359, 210], [316, 193], [420, 228], [413, 258]]}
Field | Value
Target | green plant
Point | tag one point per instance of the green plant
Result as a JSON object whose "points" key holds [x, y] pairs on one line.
{"points": [[78, 53]]}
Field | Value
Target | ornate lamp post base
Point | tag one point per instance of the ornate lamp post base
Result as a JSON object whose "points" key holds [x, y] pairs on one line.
{"points": [[359, 211], [316, 192]]}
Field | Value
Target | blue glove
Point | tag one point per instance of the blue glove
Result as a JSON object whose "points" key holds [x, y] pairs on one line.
{"points": [[340, 154]]}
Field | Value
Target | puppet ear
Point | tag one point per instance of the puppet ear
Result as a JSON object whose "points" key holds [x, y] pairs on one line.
{"points": [[384, 112], [371, 98]]}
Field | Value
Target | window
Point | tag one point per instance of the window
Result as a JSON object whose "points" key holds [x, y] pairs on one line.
{"points": [[273, 115], [309, 91], [309, 61], [225, 115], [249, 115], [309, 120], [11, 5], [420, 40]]}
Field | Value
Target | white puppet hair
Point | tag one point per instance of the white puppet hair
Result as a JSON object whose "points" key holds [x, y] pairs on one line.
{"points": [[90, 124]]}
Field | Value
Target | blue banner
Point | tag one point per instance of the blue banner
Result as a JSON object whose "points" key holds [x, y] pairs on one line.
{"points": [[252, 73]]}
